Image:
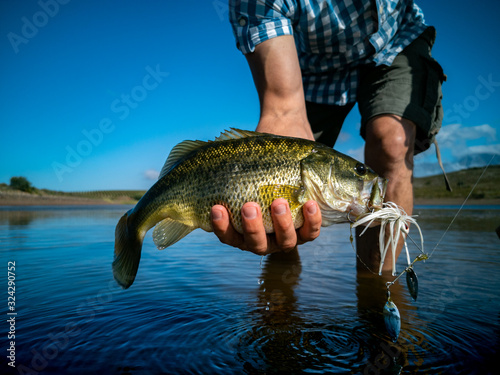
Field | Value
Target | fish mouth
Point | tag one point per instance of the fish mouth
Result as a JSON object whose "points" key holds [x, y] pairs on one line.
{"points": [[378, 194]]}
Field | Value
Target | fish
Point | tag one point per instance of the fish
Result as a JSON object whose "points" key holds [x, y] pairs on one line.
{"points": [[242, 166], [392, 320]]}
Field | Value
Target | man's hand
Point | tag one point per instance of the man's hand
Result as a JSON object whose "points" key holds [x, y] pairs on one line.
{"points": [[254, 237]]}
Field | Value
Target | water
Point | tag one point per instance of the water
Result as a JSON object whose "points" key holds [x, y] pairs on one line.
{"points": [[202, 307]]}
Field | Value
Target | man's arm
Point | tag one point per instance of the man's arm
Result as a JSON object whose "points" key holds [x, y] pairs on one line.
{"points": [[278, 79]]}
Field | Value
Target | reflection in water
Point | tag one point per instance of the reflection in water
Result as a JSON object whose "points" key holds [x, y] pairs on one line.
{"points": [[277, 333], [280, 276], [27, 215], [371, 292], [281, 339], [15, 218]]}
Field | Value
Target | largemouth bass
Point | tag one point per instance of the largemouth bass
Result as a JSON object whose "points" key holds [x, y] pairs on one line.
{"points": [[237, 167]]}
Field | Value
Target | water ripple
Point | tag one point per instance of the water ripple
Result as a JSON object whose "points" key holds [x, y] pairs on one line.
{"points": [[198, 308]]}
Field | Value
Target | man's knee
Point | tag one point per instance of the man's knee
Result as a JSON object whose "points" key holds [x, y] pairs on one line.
{"points": [[390, 138]]}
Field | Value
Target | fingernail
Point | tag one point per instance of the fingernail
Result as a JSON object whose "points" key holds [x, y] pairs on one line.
{"points": [[249, 212], [216, 214], [312, 209], [279, 209]]}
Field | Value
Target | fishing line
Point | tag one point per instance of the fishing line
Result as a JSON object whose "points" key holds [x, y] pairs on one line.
{"points": [[463, 204], [423, 255]]}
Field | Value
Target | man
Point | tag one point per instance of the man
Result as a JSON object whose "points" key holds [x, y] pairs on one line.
{"points": [[311, 61]]}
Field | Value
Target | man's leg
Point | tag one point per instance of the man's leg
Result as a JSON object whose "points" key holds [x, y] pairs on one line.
{"points": [[389, 151], [410, 88]]}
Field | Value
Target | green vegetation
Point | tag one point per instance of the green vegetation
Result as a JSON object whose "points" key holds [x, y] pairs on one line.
{"points": [[461, 183], [22, 184], [124, 196]]}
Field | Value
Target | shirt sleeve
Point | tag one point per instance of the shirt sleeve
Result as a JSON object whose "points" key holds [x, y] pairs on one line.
{"points": [[255, 21]]}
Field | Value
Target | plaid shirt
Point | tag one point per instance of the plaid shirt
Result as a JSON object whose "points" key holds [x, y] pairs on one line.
{"points": [[333, 38]]}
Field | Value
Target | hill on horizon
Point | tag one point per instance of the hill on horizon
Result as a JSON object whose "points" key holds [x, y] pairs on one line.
{"points": [[461, 183]]}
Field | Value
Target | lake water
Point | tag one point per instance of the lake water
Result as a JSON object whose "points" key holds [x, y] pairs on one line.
{"points": [[203, 307]]}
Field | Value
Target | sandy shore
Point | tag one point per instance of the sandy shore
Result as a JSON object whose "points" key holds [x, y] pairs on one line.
{"points": [[25, 199]]}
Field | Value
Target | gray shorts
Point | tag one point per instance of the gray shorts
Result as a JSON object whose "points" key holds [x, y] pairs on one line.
{"points": [[410, 88]]}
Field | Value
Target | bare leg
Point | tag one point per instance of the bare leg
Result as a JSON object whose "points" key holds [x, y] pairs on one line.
{"points": [[389, 151]]}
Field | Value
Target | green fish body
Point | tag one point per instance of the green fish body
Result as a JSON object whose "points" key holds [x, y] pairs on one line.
{"points": [[238, 167]]}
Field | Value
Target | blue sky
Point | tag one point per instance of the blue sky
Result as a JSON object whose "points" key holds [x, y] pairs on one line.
{"points": [[94, 94]]}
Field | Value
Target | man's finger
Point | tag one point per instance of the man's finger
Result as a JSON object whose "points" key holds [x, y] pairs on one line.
{"points": [[254, 233], [286, 237], [312, 222], [223, 229]]}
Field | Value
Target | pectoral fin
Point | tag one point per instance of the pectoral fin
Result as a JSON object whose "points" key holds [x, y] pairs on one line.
{"points": [[169, 231], [293, 194]]}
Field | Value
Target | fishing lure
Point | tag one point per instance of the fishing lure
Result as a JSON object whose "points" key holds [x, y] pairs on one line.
{"points": [[412, 282], [398, 221], [392, 319]]}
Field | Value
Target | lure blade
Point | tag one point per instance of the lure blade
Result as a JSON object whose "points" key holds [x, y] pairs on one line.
{"points": [[392, 320], [412, 282]]}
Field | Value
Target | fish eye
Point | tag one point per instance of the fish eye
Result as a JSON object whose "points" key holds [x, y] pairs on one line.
{"points": [[360, 169]]}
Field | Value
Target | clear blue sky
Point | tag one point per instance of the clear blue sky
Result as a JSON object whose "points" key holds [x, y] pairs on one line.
{"points": [[94, 94]]}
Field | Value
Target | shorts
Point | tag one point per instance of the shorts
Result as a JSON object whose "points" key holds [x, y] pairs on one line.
{"points": [[410, 88]]}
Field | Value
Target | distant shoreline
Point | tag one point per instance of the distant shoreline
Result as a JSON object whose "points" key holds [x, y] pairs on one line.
{"points": [[455, 202], [52, 201], [25, 199]]}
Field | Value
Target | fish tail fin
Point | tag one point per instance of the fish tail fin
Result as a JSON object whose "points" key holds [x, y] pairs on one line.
{"points": [[128, 245]]}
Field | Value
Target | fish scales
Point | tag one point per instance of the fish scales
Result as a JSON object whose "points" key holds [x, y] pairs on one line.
{"points": [[233, 175], [238, 167]]}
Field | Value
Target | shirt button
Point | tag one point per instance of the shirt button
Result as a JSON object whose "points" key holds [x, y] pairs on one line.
{"points": [[242, 21]]}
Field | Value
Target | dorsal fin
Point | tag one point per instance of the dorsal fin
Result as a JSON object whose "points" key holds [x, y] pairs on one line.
{"points": [[233, 133], [182, 149], [179, 151]]}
